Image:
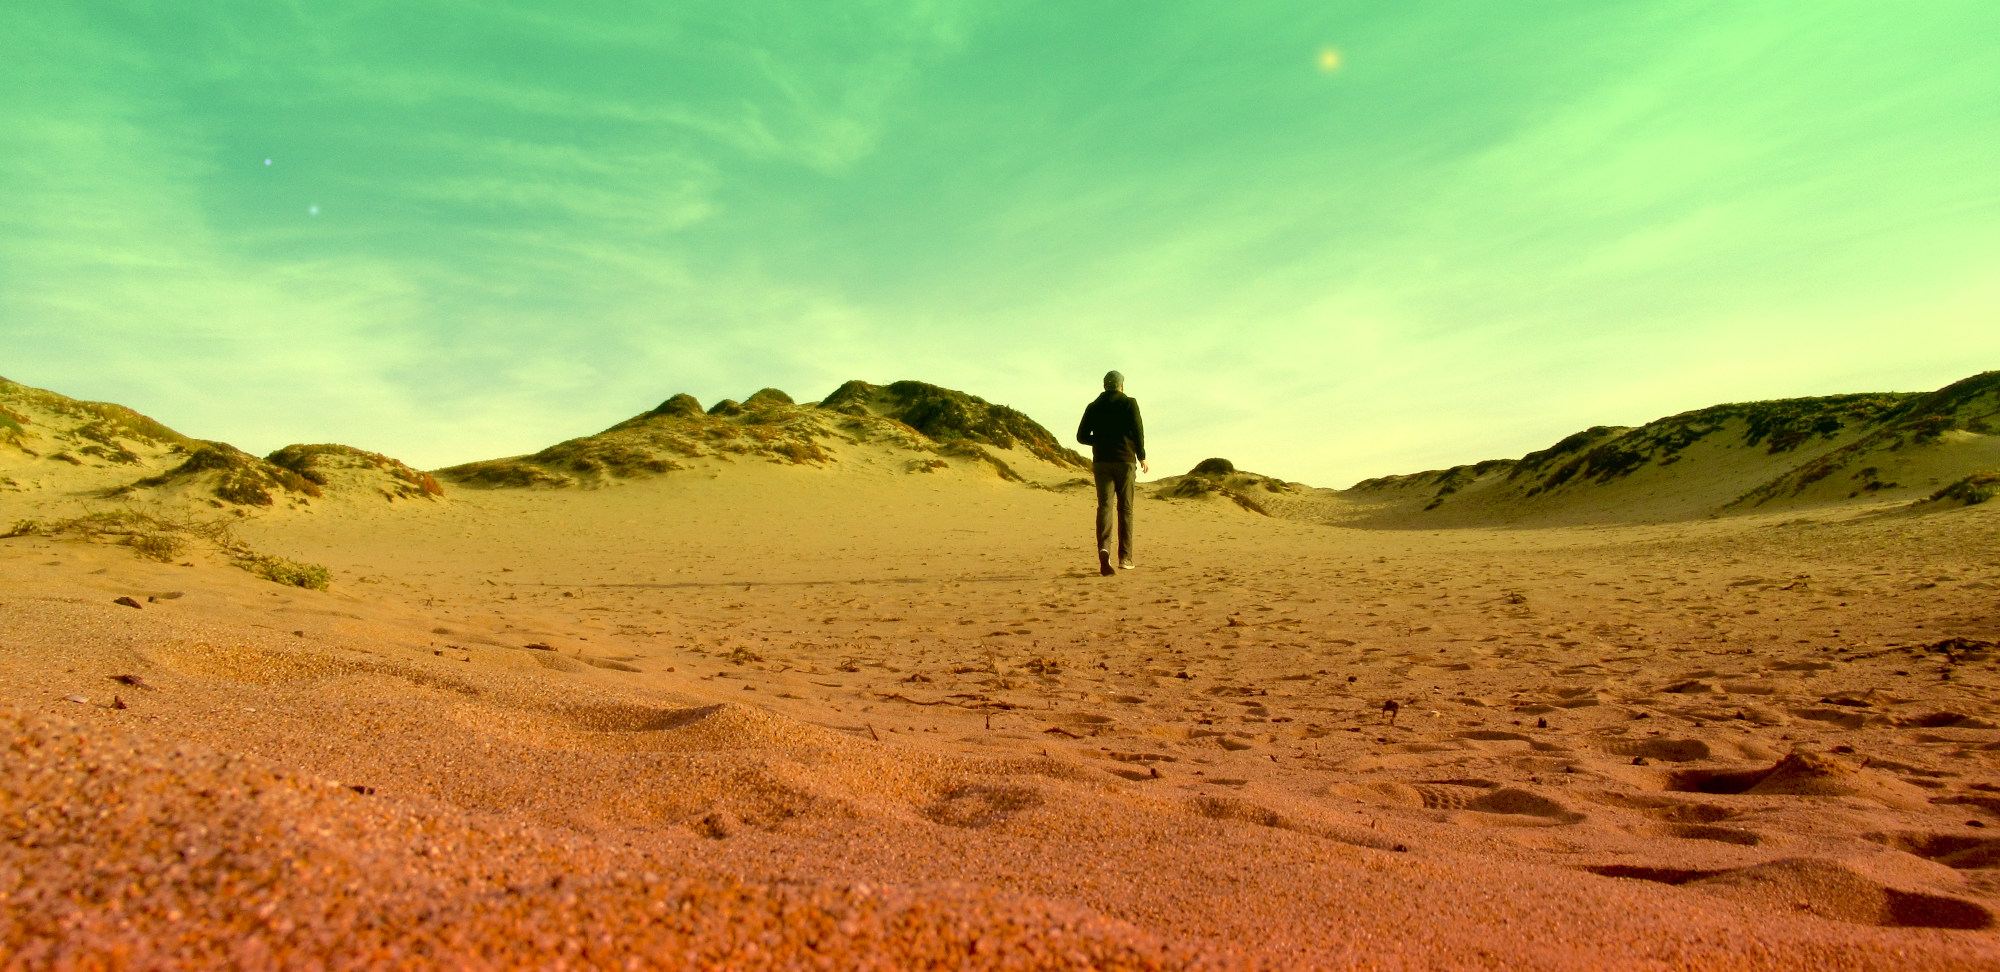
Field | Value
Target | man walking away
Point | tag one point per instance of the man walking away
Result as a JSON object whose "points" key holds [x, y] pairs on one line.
{"points": [[1117, 440]]}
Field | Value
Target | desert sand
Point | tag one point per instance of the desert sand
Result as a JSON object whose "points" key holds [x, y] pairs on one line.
{"points": [[768, 714]]}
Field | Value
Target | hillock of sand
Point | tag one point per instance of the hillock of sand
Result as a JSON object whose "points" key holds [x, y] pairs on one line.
{"points": [[345, 470], [1219, 479], [46, 437]]}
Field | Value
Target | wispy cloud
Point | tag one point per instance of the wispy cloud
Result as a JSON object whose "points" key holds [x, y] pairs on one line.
{"points": [[1484, 230]]}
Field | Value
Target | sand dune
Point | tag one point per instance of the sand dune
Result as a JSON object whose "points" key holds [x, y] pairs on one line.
{"points": [[908, 426], [826, 714], [1795, 454], [70, 454]]}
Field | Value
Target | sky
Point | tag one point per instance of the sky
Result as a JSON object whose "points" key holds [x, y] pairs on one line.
{"points": [[1325, 240]]}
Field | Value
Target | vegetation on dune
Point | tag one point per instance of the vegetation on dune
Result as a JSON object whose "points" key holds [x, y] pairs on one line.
{"points": [[1869, 482], [13, 429], [682, 405], [853, 397], [1603, 454], [1970, 406], [1569, 446], [1956, 400], [1220, 477], [771, 425], [1972, 490], [101, 425], [289, 572], [1441, 483], [111, 433], [944, 415], [967, 450], [616, 457], [154, 537], [1456, 478], [504, 474], [237, 476], [317, 463], [1785, 425], [1200, 487], [165, 538]]}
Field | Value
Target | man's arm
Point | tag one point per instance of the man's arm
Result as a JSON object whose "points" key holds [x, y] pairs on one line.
{"points": [[1138, 433], [1085, 433]]}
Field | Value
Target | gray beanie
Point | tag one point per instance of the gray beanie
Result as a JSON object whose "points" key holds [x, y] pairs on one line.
{"points": [[1113, 381]]}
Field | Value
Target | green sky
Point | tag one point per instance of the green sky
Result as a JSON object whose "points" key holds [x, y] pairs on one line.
{"points": [[487, 226]]}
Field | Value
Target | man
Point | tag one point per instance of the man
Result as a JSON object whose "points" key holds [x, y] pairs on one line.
{"points": [[1117, 440]]}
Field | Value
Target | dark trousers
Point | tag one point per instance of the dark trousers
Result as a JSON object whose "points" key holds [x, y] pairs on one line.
{"points": [[1115, 480]]}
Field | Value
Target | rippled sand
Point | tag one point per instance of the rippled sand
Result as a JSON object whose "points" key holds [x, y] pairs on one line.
{"points": [[782, 719]]}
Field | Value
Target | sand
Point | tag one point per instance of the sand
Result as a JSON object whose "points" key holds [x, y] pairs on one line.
{"points": [[786, 717]]}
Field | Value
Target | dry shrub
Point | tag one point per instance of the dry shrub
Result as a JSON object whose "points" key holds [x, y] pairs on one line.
{"points": [[163, 547], [164, 539], [285, 571]]}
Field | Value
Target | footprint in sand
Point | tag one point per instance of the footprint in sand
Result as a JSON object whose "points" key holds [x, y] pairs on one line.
{"points": [[626, 717], [1500, 737], [1663, 750], [1803, 774], [1956, 851], [1667, 809], [1230, 741], [978, 806], [1828, 889], [1501, 805], [559, 663], [1723, 835], [242, 663]]}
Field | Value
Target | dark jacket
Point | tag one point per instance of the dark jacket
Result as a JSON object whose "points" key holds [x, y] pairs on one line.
{"points": [[1112, 429]]}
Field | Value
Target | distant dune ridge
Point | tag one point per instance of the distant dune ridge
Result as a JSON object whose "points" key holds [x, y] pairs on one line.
{"points": [[51, 441], [1930, 450], [1723, 459], [917, 426]]}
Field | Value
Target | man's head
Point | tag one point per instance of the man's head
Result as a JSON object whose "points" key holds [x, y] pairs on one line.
{"points": [[1113, 381]]}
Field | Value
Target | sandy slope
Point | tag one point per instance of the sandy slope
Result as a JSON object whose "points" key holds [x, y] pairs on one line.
{"points": [[789, 714]]}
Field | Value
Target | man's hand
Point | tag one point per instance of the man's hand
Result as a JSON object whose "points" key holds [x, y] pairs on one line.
{"points": [[1143, 467]]}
